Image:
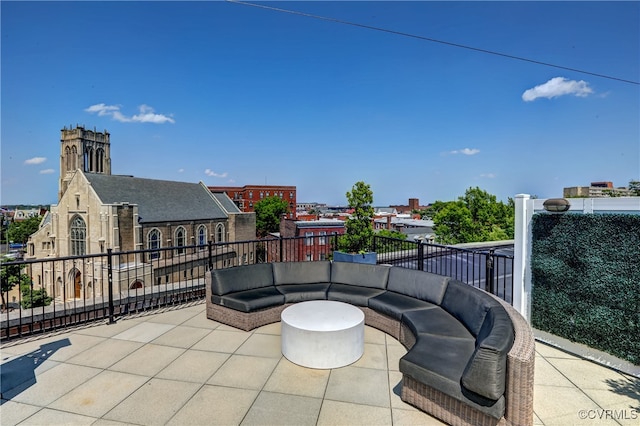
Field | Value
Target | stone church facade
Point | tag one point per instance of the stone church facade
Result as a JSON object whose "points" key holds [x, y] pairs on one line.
{"points": [[166, 224]]}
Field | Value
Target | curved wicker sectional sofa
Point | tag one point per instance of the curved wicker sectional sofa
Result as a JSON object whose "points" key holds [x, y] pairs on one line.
{"points": [[470, 355]]}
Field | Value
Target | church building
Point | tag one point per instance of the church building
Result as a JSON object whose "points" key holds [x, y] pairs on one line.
{"points": [[97, 211]]}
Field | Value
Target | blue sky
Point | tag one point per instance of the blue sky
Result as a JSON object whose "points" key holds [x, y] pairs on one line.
{"points": [[231, 94]]}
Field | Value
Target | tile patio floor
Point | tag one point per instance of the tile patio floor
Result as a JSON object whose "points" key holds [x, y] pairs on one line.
{"points": [[177, 367]]}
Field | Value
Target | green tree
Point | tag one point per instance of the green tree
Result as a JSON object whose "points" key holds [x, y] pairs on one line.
{"points": [[19, 232], [269, 211], [33, 298], [10, 276], [610, 193], [390, 233], [453, 224], [476, 216], [358, 227], [634, 186], [433, 209]]}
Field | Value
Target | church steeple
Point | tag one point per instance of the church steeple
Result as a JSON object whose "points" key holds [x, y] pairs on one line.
{"points": [[87, 150]]}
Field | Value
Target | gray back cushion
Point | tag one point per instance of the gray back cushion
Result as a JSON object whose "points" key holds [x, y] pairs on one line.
{"points": [[421, 285], [360, 274], [301, 272], [239, 278], [469, 305], [486, 372]]}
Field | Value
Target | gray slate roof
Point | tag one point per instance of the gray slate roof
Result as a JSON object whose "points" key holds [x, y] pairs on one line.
{"points": [[226, 202], [161, 200]]}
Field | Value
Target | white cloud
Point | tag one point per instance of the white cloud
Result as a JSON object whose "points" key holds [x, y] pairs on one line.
{"points": [[180, 170], [146, 115], [47, 171], [35, 160], [102, 109], [488, 175], [558, 86], [210, 172], [466, 151]]}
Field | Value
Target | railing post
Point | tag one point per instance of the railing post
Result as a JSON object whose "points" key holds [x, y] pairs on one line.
{"points": [[281, 247], [110, 284], [210, 245], [488, 277], [420, 256]]}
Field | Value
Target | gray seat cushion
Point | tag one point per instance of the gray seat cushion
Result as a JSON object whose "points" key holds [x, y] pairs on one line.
{"points": [[239, 278], [301, 281], [251, 300], [294, 293], [394, 304], [419, 284], [353, 294], [358, 274], [435, 321], [439, 361], [468, 304], [301, 272]]}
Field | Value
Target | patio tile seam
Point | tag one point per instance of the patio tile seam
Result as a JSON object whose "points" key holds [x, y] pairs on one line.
{"points": [[390, 387], [106, 368], [358, 403], [253, 402], [49, 405], [53, 409], [570, 381], [186, 402], [114, 406], [186, 348]]}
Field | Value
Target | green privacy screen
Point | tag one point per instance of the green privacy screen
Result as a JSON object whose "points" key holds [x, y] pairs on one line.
{"points": [[586, 280]]}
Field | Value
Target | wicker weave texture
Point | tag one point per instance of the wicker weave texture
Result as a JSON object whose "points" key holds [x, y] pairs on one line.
{"points": [[406, 337], [382, 322], [520, 371], [443, 406], [246, 321]]}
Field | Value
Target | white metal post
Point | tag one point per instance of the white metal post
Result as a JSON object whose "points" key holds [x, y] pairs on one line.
{"points": [[522, 288]]}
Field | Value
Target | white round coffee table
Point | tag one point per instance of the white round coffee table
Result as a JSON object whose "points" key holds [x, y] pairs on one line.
{"points": [[322, 334]]}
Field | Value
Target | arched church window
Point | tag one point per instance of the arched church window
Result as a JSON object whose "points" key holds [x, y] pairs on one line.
{"points": [[89, 160], [67, 159], [78, 236], [100, 160], [202, 236], [220, 233], [180, 240], [74, 158], [154, 242]]}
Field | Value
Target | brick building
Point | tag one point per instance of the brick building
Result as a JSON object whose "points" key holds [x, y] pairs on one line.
{"points": [[245, 197], [596, 190], [319, 236], [414, 204]]}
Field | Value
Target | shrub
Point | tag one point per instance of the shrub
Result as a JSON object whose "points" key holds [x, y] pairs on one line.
{"points": [[585, 277]]}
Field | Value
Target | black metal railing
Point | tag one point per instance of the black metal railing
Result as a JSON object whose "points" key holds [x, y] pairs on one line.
{"points": [[481, 268], [57, 293]]}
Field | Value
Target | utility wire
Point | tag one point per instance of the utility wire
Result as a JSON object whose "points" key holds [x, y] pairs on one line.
{"points": [[433, 40]]}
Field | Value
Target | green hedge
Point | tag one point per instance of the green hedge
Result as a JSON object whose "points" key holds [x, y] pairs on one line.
{"points": [[586, 280]]}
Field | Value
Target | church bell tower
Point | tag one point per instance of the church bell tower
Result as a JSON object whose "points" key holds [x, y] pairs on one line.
{"points": [[87, 150]]}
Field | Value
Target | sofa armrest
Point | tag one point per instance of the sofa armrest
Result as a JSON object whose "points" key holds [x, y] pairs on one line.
{"points": [[520, 369]]}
